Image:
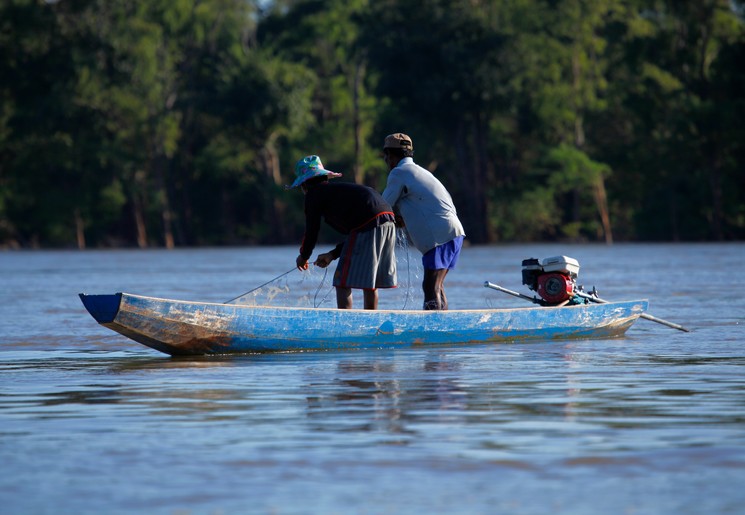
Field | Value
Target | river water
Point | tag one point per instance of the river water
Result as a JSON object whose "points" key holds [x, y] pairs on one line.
{"points": [[652, 423]]}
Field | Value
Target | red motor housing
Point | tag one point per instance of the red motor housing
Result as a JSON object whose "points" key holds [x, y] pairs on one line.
{"points": [[555, 287], [553, 278]]}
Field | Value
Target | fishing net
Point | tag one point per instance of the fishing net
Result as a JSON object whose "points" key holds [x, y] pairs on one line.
{"points": [[313, 288], [295, 288], [410, 274]]}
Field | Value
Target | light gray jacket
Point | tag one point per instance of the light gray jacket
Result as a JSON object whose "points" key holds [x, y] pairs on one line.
{"points": [[424, 204]]}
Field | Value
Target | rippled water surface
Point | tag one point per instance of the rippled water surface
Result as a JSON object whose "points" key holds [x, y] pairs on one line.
{"points": [[652, 423]]}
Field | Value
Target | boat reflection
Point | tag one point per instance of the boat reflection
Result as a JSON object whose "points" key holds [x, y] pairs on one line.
{"points": [[375, 396]]}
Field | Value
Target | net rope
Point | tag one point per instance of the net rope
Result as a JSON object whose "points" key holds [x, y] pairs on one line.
{"points": [[313, 287]]}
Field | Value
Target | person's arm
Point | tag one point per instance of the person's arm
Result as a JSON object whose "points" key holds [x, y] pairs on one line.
{"points": [[335, 253], [312, 227], [394, 189]]}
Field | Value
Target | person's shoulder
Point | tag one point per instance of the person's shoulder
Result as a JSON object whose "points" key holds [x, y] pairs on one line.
{"points": [[409, 164], [319, 191], [412, 170], [346, 187], [404, 168]]}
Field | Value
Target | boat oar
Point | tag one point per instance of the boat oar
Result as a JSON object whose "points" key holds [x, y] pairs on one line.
{"points": [[593, 298], [493, 286], [258, 287]]}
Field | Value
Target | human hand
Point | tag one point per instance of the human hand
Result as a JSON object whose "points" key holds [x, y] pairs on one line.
{"points": [[302, 263], [324, 260]]}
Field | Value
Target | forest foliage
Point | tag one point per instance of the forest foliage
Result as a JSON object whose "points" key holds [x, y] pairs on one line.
{"points": [[178, 122]]}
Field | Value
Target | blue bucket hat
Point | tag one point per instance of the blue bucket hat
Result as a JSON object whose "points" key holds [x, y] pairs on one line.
{"points": [[309, 167]]}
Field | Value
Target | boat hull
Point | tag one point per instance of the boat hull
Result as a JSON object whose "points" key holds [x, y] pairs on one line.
{"points": [[196, 328]]}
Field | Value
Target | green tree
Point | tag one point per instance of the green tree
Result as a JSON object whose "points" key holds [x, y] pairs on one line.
{"points": [[444, 69], [49, 143], [559, 82], [239, 103], [322, 35], [177, 122], [680, 151]]}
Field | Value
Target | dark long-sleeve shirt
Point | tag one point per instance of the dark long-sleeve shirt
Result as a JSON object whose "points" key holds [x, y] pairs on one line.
{"points": [[344, 206]]}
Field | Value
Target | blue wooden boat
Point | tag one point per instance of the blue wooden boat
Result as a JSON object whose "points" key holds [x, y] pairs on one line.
{"points": [[181, 328]]}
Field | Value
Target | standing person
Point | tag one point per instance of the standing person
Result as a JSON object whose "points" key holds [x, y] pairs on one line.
{"points": [[368, 259], [427, 212]]}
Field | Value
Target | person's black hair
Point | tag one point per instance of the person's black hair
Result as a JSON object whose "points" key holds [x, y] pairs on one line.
{"points": [[400, 153], [316, 180]]}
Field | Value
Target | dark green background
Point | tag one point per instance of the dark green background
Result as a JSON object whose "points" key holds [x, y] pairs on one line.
{"points": [[178, 122]]}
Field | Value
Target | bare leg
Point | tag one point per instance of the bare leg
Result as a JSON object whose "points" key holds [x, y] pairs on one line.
{"points": [[443, 297], [343, 298], [434, 290], [371, 298]]}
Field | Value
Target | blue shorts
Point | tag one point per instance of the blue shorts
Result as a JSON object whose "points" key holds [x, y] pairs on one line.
{"points": [[443, 256]]}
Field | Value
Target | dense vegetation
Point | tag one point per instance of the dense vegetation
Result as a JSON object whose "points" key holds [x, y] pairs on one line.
{"points": [[178, 122]]}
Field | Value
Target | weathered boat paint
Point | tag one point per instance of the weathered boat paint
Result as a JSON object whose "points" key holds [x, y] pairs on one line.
{"points": [[178, 327]]}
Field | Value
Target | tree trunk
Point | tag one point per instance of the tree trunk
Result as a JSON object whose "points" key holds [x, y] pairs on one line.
{"points": [[601, 201], [167, 225], [139, 209], [165, 204], [140, 223], [359, 173], [275, 207], [79, 229], [598, 188], [472, 211], [481, 180]]}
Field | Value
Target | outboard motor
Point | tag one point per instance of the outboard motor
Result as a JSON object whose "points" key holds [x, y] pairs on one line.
{"points": [[554, 278]]}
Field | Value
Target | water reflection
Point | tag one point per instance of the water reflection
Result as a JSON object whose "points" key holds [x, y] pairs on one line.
{"points": [[654, 422], [562, 399], [168, 363], [395, 393], [387, 397], [357, 400]]}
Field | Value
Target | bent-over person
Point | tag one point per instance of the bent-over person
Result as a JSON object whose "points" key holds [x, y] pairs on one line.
{"points": [[428, 213], [367, 259]]}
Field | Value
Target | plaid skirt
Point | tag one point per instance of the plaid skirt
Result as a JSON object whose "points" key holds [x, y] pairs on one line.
{"points": [[368, 259]]}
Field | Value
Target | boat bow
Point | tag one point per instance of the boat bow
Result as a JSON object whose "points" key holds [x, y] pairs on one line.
{"points": [[103, 308]]}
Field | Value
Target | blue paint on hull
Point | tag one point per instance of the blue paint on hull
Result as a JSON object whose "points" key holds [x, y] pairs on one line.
{"points": [[102, 307], [194, 328]]}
